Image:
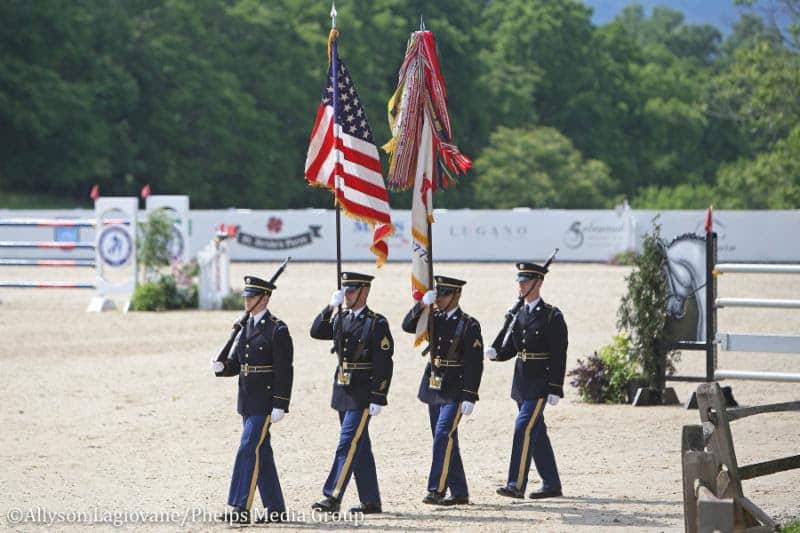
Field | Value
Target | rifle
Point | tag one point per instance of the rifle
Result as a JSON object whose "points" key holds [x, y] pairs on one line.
{"points": [[239, 324], [511, 315]]}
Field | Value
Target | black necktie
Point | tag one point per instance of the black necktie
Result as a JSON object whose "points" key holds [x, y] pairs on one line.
{"points": [[251, 325]]}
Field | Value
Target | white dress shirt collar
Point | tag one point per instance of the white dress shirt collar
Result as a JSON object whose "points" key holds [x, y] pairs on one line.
{"points": [[531, 306], [257, 318]]}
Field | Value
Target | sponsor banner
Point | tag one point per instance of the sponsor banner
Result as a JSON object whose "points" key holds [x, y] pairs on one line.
{"points": [[742, 236], [458, 235], [305, 235]]}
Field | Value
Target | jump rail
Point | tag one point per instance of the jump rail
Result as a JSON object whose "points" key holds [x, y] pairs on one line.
{"points": [[744, 268], [746, 342], [66, 245], [45, 285], [758, 302], [57, 222], [48, 262]]}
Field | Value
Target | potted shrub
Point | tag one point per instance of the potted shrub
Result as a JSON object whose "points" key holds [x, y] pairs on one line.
{"points": [[608, 375]]}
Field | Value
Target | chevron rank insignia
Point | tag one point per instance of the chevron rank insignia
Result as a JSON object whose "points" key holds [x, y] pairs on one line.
{"points": [[477, 344], [386, 343]]}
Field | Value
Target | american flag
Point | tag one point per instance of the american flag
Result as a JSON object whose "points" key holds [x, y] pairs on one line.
{"points": [[342, 156]]}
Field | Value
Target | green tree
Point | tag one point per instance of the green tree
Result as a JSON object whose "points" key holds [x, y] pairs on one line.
{"points": [[669, 137], [667, 28], [769, 181], [538, 167], [747, 31], [779, 12], [63, 94], [682, 196], [758, 92], [537, 60]]}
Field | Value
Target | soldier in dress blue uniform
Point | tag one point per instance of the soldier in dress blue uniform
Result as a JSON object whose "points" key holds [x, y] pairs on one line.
{"points": [[538, 341], [262, 358], [364, 346], [449, 386]]}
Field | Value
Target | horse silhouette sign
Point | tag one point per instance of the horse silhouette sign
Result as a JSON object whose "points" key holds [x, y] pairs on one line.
{"points": [[685, 272]]}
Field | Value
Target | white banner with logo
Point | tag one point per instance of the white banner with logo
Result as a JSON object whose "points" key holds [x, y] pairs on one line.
{"points": [[458, 235], [487, 235]]}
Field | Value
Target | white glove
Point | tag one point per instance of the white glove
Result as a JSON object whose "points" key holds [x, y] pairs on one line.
{"points": [[277, 415], [466, 408], [552, 399], [491, 353], [337, 298], [429, 297], [374, 409], [217, 366]]}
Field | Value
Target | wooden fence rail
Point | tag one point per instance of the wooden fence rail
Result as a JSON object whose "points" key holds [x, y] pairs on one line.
{"points": [[712, 478]]}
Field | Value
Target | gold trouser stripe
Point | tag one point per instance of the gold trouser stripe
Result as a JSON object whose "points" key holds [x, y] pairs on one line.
{"points": [[254, 479], [523, 458], [350, 453], [449, 451]]}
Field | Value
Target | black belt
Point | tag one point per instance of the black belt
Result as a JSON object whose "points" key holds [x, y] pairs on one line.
{"points": [[256, 369], [533, 356]]}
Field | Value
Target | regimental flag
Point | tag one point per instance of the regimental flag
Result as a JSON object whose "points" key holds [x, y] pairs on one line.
{"points": [[342, 155], [421, 153], [421, 218]]}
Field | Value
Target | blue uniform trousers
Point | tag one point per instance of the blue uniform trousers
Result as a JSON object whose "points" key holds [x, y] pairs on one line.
{"points": [[255, 466], [447, 470], [353, 456], [531, 441]]}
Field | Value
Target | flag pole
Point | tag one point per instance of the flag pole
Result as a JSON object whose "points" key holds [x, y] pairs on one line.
{"points": [[337, 343], [430, 250], [337, 186]]}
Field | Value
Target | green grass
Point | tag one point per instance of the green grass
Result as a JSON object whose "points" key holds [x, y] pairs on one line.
{"points": [[14, 200], [791, 527]]}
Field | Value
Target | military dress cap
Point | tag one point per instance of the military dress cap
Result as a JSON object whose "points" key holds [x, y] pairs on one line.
{"points": [[446, 285], [527, 271], [453, 283], [254, 286], [354, 279]]}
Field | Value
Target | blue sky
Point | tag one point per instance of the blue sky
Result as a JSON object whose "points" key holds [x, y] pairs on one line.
{"points": [[719, 13]]}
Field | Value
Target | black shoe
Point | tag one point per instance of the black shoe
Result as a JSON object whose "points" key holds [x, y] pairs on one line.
{"points": [[272, 517], [540, 493], [433, 498], [508, 492], [456, 500], [367, 508], [327, 505], [235, 516]]}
